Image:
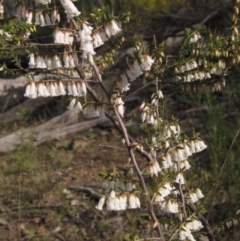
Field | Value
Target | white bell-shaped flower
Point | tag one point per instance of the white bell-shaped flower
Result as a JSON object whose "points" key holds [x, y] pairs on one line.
{"points": [[29, 17], [97, 40], [62, 90], [180, 178], [123, 202], [48, 61], [31, 91], [48, 19], [42, 20], [66, 60], [101, 203], [43, 64], [199, 194], [52, 89], [37, 18], [84, 88], [54, 14], [56, 62], [72, 104], [32, 63], [71, 61], [66, 37], [111, 28], [146, 62], [70, 9], [135, 69], [172, 206], [133, 201], [74, 89], [79, 106]]}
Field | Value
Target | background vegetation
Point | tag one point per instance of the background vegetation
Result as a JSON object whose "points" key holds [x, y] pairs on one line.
{"points": [[35, 179]]}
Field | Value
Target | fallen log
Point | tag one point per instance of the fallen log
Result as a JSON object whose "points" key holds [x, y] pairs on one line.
{"points": [[11, 92], [28, 106], [56, 128]]}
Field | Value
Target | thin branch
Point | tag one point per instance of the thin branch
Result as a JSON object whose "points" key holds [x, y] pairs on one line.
{"points": [[87, 190], [139, 174], [181, 194], [114, 147], [204, 221], [131, 154], [145, 239], [221, 171]]}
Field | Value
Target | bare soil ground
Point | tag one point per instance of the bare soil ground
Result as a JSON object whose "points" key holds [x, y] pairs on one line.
{"points": [[35, 203]]}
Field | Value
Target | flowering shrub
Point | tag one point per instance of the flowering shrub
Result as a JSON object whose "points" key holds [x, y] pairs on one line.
{"points": [[69, 64]]}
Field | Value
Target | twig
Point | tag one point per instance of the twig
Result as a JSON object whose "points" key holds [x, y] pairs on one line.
{"points": [[181, 194], [139, 174], [114, 147], [88, 190], [145, 239], [204, 222], [221, 171], [132, 156], [120, 126]]}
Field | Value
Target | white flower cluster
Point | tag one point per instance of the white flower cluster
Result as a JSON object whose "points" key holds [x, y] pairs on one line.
{"points": [[117, 101], [75, 104], [90, 40], [195, 195], [86, 41], [176, 160], [135, 71], [111, 28], [148, 115], [154, 168], [119, 202], [195, 37], [193, 75], [221, 64], [180, 178], [55, 88], [162, 192], [166, 161], [7, 35], [183, 151], [169, 206], [155, 97], [146, 62], [197, 75], [171, 131], [67, 60], [46, 18], [70, 9], [63, 36], [232, 222], [190, 65], [99, 37], [190, 225]]}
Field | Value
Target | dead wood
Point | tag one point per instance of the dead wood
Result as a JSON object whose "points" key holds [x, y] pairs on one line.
{"points": [[55, 128], [58, 133], [11, 92], [27, 106]]}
